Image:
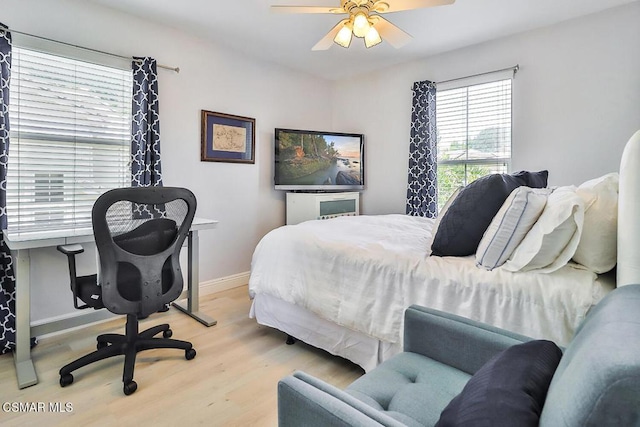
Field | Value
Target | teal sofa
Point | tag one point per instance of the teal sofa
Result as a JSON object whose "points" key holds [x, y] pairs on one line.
{"points": [[596, 383]]}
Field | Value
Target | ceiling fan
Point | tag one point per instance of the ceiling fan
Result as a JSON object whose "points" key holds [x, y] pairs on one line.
{"points": [[364, 21]]}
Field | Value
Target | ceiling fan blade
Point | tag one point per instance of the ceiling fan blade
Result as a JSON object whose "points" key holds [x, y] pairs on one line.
{"points": [[400, 5], [390, 33], [307, 9], [327, 41]]}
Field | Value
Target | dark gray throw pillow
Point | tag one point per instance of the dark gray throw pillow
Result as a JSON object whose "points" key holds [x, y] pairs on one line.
{"points": [[533, 179], [509, 390], [462, 226]]}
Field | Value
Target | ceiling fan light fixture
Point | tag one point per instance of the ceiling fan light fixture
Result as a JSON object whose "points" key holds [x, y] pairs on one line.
{"points": [[360, 25], [364, 20], [343, 38], [372, 38]]}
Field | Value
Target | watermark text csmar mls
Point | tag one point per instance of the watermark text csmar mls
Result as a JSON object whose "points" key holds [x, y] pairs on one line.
{"points": [[37, 407]]}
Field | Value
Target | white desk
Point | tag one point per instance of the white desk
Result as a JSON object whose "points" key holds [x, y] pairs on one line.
{"points": [[21, 245]]}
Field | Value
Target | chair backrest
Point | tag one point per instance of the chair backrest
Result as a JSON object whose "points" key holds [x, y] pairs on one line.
{"points": [[139, 232], [597, 382]]}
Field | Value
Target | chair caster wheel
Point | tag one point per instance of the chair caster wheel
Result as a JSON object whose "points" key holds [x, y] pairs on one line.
{"points": [[101, 345], [190, 354], [66, 380], [130, 388], [167, 334]]}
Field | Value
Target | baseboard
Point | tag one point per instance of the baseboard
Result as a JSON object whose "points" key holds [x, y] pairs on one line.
{"points": [[224, 283]]}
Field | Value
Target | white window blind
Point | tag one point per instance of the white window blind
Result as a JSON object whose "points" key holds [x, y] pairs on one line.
{"points": [[70, 139], [474, 134]]}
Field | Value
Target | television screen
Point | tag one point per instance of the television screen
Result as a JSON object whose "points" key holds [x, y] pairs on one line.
{"points": [[321, 161]]}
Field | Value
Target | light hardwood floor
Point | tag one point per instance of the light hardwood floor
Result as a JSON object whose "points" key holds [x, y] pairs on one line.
{"points": [[231, 382]]}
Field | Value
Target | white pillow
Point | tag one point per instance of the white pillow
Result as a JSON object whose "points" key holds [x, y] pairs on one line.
{"points": [[597, 249], [518, 214], [553, 239]]}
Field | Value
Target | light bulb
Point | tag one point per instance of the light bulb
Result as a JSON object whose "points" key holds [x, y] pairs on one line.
{"points": [[360, 25], [372, 37], [343, 38]]}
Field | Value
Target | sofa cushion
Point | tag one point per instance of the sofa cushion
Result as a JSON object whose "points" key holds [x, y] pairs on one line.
{"points": [[409, 387], [509, 390], [462, 226]]}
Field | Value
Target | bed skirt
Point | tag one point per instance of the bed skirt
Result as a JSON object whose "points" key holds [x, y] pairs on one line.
{"points": [[363, 350]]}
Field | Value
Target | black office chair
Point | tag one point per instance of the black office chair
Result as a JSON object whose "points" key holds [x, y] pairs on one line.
{"points": [[138, 233]]}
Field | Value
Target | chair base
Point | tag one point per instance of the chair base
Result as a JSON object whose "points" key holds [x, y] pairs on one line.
{"points": [[110, 345]]}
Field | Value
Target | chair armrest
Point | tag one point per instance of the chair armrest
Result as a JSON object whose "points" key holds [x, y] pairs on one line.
{"points": [[305, 400], [456, 341], [70, 249]]}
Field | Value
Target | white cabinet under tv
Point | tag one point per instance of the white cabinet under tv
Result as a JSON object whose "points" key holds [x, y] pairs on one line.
{"points": [[306, 206]]}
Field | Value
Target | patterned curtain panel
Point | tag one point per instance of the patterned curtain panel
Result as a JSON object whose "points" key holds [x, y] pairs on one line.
{"points": [[145, 126], [7, 278], [422, 194]]}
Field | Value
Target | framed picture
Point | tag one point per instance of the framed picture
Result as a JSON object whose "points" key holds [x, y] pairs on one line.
{"points": [[227, 138]]}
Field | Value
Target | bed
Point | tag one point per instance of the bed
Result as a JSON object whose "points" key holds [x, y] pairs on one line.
{"points": [[343, 284]]}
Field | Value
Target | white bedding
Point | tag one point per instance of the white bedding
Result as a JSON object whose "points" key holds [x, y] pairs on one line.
{"points": [[362, 272]]}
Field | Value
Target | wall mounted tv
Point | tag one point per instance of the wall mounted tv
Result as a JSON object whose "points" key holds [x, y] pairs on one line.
{"points": [[318, 161]]}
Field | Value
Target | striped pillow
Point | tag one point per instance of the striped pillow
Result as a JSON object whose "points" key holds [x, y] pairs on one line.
{"points": [[510, 225], [553, 239]]}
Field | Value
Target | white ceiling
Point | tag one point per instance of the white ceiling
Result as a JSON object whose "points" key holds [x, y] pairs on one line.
{"points": [[248, 26]]}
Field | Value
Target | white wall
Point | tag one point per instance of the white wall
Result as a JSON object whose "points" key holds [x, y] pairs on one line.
{"points": [[240, 196], [576, 101]]}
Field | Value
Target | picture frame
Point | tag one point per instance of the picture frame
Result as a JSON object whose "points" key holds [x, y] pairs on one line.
{"points": [[227, 138]]}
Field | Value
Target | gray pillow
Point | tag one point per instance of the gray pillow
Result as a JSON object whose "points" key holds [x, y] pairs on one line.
{"points": [[461, 228]]}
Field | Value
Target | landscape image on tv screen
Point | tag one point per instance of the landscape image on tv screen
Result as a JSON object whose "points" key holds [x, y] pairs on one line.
{"points": [[318, 159]]}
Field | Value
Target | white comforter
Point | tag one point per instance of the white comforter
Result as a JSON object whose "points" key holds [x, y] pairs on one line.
{"points": [[362, 273]]}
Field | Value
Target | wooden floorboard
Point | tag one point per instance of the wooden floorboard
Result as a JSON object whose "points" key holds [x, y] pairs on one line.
{"points": [[231, 382]]}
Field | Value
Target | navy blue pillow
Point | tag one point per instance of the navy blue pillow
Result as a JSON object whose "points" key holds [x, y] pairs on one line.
{"points": [[533, 179], [462, 226], [509, 390]]}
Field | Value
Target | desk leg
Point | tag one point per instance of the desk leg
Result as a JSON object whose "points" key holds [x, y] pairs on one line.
{"points": [[25, 371], [193, 282]]}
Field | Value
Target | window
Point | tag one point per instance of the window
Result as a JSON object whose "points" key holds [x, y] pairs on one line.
{"points": [[70, 139], [474, 134]]}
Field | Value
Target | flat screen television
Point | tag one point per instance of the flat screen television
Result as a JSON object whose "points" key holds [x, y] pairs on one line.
{"points": [[318, 161]]}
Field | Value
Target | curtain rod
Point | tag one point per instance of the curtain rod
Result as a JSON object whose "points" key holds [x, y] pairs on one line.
{"points": [[515, 69], [176, 69]]}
